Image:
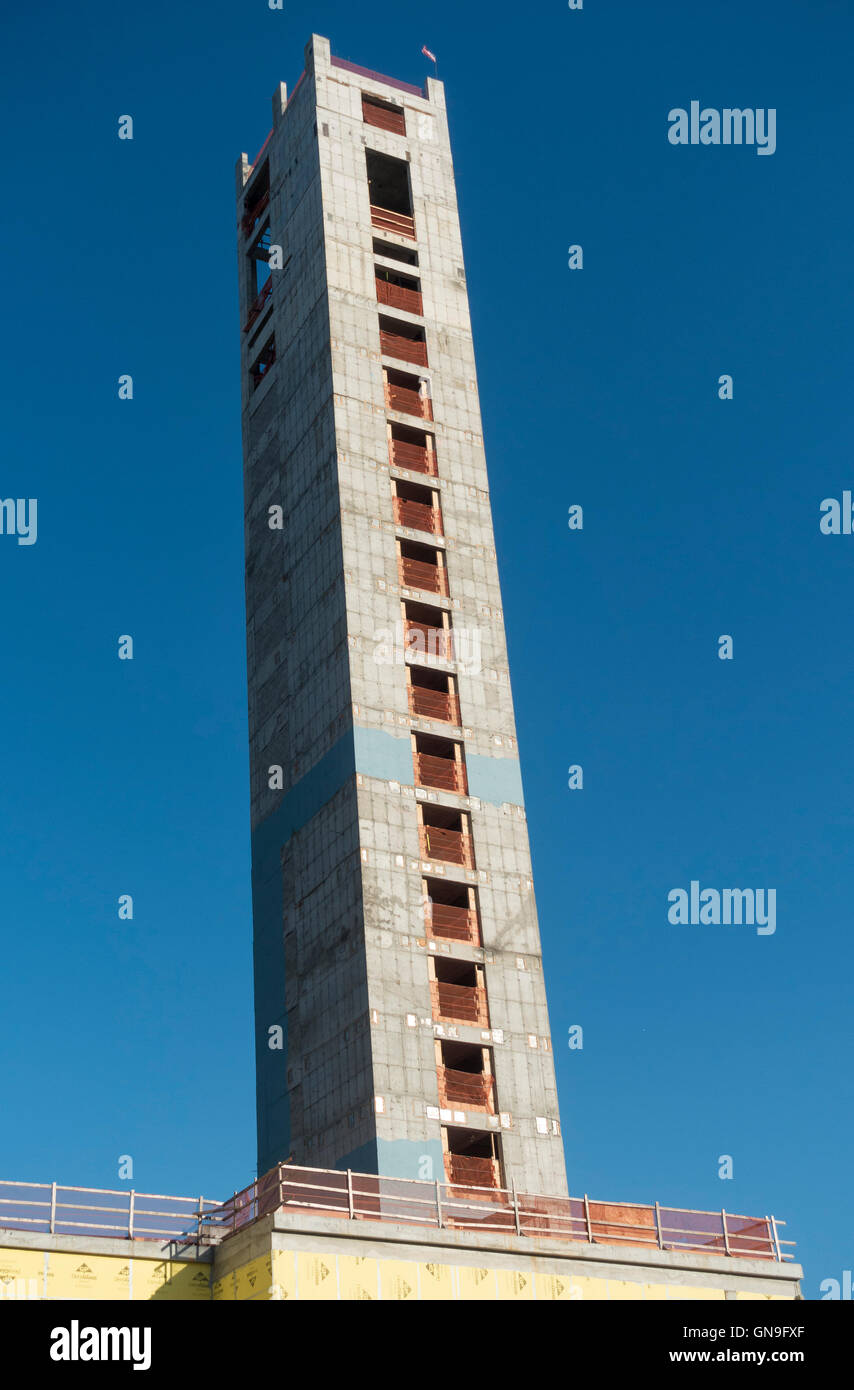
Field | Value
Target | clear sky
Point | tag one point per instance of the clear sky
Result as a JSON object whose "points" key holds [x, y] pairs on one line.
{"points": [[599, 387]]}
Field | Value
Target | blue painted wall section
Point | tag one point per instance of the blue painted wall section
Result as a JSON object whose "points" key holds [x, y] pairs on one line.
{"points": [[411, 1158], [398, 1158], [495, 779], [384, 755]]}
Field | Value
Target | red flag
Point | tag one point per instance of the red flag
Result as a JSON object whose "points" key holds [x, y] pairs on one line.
{"points": [[428, 54]]}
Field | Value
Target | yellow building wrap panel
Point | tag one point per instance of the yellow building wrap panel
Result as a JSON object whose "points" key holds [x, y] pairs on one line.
{"points": [[555, 1288], [222, 1290], [475, 1284], [255, 1280], [580, 1288], [168, 1280], [622, 1289], [21, 1274], [655, 1292], [399, 1280], [437, 1282], [677, 1292], [87, 1276], [316, 1277], [284, 1275], [358, 1277], [514, 1286], [149, 1277]]}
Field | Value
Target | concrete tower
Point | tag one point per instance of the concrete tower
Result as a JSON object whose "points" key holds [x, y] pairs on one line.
{"points": [[401, 1019]]}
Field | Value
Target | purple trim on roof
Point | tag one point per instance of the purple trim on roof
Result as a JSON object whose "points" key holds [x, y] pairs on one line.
{"points": [[378, 77]]}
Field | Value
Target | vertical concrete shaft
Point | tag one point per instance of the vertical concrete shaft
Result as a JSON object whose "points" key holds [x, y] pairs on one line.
{"points": [[361, 423]]}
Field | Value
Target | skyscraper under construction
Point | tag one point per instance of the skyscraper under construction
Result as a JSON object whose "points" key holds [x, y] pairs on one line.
{"points": [[401, 1021]]}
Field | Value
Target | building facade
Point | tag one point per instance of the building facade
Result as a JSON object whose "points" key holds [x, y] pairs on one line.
{"points": [[401, 1021]]}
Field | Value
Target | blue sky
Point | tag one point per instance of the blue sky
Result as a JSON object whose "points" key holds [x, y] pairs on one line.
{"points": [[598, 387]]}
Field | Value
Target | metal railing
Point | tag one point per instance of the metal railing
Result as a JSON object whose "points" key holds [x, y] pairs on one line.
{"points": [[453, 923], [466, 1090], [258, 303], [387, 221], [445, 774], [416, 457], [253, 213], [408, 402], [434, 704], [399, 296], [449, 846], [51, 1209], [418, 516], [403, 349], [459, 1003], [458, 1206], [421, 575]]}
